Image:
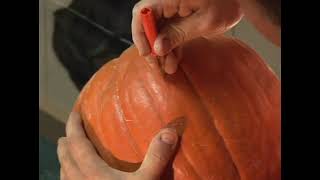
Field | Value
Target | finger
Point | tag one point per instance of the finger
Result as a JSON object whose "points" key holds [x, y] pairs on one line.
{"points": [[68, 165], [138, 36], [87, 159], [170, 7], [74, 127], [184, 11], [171, 63], [176, 32], [172, 60], [159, 153]]}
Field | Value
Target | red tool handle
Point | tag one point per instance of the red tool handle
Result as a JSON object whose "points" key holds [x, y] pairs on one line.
{"points": [[149, 25]]}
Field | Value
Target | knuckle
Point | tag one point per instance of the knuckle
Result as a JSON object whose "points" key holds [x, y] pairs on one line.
{"points": [[61, 145], [75, 144], [61, 140], [73, 141], [76, 140], [178, 35]]}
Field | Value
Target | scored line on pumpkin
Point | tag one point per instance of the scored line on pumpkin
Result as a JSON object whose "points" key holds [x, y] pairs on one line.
{"points": [[132, 143], [199, 145]]}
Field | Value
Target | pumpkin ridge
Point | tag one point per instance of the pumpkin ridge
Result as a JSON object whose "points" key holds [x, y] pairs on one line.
{"points": [[213, 124], [125, 127], [127, 103], [188, 162], [244, 93], [251, 110], [259, 61], [182, 151], [105, 88], [133, 144], [150, 93], [161, 118], [163, 122], [266, 89], [111, 85], [261, 86]]}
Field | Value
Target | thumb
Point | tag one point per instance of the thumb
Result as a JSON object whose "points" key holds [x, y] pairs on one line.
{"points": [[175, 33], [159, 154]]}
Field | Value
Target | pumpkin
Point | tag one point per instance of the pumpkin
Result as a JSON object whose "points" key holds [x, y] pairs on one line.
{"points": [[229, 97]]}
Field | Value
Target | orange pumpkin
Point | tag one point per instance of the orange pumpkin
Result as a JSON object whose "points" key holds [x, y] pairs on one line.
{"points": [[228, 95]]}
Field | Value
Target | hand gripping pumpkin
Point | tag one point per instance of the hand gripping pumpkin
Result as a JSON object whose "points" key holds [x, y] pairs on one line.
{"points": [[228, 95]]}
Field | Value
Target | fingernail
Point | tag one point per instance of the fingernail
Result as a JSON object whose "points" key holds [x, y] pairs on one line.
{"points": [[157, 47], [169, 136], [170, 68]]}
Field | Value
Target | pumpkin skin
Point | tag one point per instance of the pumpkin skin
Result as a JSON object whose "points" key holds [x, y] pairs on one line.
{"points": [[228, 95]]}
